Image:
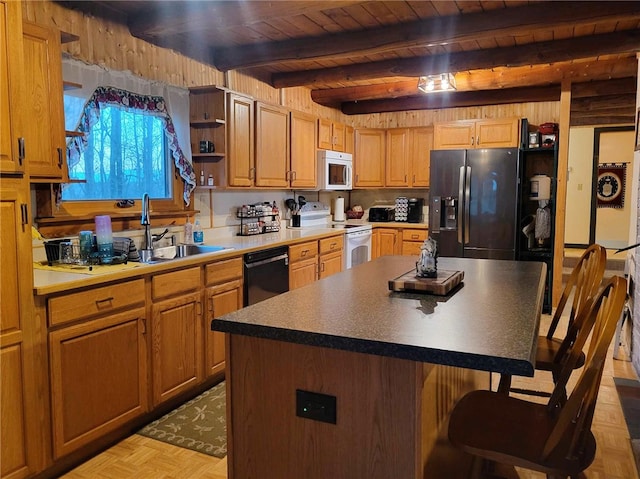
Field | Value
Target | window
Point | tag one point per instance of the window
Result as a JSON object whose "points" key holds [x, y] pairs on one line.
{"points": [[132, 137], [126, 154]]}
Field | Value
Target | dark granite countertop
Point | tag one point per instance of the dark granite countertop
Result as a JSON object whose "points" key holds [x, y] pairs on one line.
{"points": [[489, 323]]}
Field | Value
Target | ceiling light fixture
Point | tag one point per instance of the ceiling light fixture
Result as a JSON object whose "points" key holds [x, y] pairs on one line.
{"points": [[434, 83]]}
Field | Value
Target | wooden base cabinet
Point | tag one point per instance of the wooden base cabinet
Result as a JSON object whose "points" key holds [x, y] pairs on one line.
{"points": [[223, 294], [331, 256], [388, 243], [176, 332], [98, 378], [303, 264], [412, 241], [20, 434]]}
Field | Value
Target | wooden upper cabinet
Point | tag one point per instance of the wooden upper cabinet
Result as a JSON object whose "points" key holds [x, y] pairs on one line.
{"points": [[454, 135], [304, 171], [421, 146], [338, 130], [499, 133], [332, 136], [272, 146], [397, 163], [240, 147], [369, 158], [349, 139], [325, 141], [465, 134], [45, 147], [11, 88]]}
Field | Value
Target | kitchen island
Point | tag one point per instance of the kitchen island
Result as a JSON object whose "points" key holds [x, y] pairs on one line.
{"points": [[383, 369]]}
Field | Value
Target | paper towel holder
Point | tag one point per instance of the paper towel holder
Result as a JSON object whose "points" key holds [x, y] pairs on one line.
{"points": [[338, 209]]}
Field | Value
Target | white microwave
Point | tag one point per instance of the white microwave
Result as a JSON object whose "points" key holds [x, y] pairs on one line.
{"points": [[335, 170]]}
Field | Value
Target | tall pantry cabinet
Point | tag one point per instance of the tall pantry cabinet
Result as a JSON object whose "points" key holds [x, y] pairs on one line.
{"points": [[19, 394]]}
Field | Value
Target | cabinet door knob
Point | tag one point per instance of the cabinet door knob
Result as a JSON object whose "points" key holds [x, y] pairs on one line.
{"points": [[60, 159]]}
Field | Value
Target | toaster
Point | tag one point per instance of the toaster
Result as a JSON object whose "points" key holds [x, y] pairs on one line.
{"points": [[381, 214]]}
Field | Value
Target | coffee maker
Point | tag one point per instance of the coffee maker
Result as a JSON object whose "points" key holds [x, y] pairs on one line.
{"points": [[414, 210]]}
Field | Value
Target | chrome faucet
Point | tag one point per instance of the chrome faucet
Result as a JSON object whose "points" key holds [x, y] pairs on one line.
{"points": [[144, 221]]}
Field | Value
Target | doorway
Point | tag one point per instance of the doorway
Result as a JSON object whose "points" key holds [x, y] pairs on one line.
{"points": [[589, 219]]}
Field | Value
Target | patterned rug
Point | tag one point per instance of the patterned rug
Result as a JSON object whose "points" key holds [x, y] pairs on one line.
{"points": [[629, 394], [199, 424]]}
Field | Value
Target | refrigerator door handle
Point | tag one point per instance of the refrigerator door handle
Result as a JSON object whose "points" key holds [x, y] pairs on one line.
{"points": [[467, 198], [460, 196]]}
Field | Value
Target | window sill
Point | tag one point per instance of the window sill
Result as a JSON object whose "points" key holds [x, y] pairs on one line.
{"points": [[57, 227]]}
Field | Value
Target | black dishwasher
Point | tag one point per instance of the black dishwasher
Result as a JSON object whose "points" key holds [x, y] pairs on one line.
{"points": [[266, 274]]}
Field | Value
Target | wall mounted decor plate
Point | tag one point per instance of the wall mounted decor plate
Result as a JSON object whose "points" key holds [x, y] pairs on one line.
{"points": [[610, 185]]}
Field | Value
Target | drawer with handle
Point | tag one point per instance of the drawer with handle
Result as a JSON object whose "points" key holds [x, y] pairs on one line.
{"points": [[302, 251], [96, 301], [329, 245], [414, 235]]}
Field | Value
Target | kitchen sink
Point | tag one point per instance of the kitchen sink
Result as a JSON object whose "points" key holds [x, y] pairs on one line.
{"points": [[168, 253]]}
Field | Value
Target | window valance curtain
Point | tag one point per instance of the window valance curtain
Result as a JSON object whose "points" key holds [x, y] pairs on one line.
{"points": [[101, 87]]}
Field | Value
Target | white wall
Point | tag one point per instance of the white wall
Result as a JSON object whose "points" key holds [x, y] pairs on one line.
{"points": [[579, 187]]}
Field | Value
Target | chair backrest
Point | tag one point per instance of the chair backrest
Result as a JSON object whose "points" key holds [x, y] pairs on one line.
{"points": [[600, 316], [583, 283]]}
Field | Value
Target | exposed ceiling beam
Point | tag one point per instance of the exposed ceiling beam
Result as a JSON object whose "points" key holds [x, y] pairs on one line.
{"points": [[604, 119], [454, 100], [603, 70], [624, 103], [433, 31], [607, 87], [627, 41]]}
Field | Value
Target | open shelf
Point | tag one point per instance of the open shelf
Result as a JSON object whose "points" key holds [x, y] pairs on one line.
{"points": [[207, 123]]}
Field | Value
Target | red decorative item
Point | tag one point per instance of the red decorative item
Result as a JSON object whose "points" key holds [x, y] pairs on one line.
{"points": [[548, 128]]}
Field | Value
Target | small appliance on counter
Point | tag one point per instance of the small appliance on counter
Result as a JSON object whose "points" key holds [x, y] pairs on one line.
{"points": [[382, 214], [402, 208], [414, 210]]}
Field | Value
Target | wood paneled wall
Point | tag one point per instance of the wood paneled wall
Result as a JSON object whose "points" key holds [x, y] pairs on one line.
{"points": [[109, 43], [536, 113]]}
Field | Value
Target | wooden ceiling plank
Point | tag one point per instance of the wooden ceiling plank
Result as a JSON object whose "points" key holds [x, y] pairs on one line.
{"points": [[424, 9], [402, 11], [182, 17], [598, 88], [342, 18], [453, 100], [362, 16], [535, 53], [450, 29]]}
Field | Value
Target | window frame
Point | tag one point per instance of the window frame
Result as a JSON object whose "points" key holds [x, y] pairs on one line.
{"points": [[56, 218]]}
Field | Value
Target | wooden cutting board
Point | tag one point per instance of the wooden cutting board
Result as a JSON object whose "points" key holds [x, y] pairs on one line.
{"points": [[443, 284]]}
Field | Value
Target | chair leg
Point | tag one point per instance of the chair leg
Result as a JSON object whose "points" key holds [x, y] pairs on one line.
{"points": [[505, 384]]}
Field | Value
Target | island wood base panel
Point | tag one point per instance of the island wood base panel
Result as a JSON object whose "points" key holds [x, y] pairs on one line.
{"points": [[392, 414]]}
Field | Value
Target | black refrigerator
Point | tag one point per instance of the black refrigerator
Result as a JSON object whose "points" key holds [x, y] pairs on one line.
{"points": [[474, 201]]}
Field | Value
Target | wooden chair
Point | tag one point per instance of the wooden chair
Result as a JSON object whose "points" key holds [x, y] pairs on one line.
{"points": [[553, 438], [582, 284]]}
